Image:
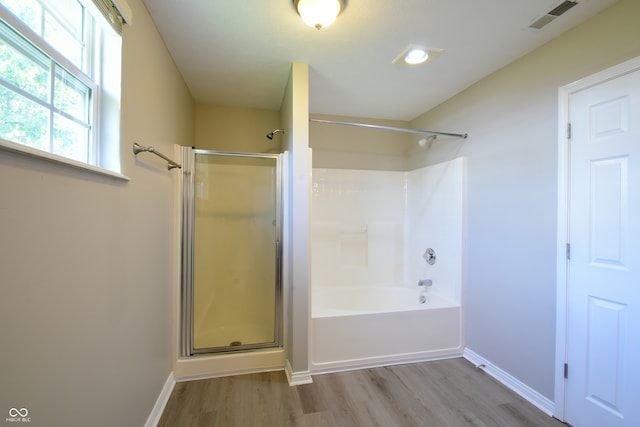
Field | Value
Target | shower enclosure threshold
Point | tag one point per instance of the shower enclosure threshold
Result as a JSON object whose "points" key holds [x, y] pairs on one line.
{"points": [[211, 365], [234, 347]]}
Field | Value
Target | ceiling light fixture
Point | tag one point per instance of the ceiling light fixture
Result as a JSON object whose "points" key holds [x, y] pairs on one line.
{"points": [[414, 55], [319, 13]]}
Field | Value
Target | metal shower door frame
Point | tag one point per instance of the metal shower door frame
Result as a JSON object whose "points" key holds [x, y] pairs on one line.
{"points": [[187, 219]]}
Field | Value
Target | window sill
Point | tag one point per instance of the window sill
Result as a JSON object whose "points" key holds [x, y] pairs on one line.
{"points": [[32, 152]]}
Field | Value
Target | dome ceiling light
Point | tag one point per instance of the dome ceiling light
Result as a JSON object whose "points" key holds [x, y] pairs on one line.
{"points": [[319, 13]]}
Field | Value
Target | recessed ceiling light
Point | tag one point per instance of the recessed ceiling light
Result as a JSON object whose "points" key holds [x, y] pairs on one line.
{"points": [[414, 55]]}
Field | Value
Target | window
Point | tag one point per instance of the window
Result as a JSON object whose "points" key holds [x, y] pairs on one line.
{"points": [[60, 81]]}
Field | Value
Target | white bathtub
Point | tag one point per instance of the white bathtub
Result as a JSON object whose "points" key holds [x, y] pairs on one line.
{"points": [[362, 326]]}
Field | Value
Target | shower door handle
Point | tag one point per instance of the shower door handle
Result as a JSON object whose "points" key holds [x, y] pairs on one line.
{"points": [[278, 262]]}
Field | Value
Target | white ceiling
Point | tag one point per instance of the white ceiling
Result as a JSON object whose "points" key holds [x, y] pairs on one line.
{"points": [[239, 52]]}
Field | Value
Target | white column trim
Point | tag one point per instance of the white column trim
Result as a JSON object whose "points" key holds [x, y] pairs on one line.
{"points": [[297, 378]]}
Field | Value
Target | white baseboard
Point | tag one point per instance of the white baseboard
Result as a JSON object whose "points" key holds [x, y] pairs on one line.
{"points": [[544, 404], [161, 402], [297, 378], [376, 362]]}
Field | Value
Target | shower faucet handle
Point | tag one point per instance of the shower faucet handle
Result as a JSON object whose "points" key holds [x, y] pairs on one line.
{"points": [[425, 282]]}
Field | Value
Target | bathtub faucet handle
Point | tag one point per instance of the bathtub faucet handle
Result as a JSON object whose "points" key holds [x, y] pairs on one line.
{"points": [[425, 282]]}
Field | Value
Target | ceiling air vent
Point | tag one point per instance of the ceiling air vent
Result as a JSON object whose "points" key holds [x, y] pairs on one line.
{"points": [[553, 14]]}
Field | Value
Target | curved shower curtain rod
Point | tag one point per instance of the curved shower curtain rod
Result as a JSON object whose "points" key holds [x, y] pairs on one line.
{"points": [[371, 126]]}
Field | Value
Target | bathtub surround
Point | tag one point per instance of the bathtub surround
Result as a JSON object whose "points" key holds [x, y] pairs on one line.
{"points": [[357, 227], [435, 220], [373, 227], [370, 230]]}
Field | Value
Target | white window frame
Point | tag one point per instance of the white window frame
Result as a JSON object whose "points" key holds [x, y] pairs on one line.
{"points": [[104, 144]]}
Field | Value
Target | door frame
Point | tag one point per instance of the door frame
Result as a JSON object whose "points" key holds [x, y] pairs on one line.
{"points": [[564, 93]]}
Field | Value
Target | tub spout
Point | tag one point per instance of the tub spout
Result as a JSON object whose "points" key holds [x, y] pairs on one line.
{"points": [[425, 283]]}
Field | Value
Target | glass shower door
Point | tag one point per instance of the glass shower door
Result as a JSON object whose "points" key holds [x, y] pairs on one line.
{"points": [[235, 243]]}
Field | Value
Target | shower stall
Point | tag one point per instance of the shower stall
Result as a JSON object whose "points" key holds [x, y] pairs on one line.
{"points": [[231, 293]]}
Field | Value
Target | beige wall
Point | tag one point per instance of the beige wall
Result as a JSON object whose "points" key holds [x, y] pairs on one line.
{"points": [[349, 147], [236, 129], [88, 261], [511, 118]]}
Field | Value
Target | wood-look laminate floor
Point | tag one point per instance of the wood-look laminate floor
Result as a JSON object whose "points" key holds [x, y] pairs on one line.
{"points": [[444, 393]]}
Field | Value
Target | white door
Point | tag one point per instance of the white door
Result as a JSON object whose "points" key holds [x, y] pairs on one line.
{"points": [[602, 388]]}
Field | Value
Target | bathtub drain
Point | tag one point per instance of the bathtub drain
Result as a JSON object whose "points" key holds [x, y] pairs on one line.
{"points": [[235, 343]]}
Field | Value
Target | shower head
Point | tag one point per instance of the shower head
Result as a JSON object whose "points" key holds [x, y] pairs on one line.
{"points": [[270, 134], [428, 140]]}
